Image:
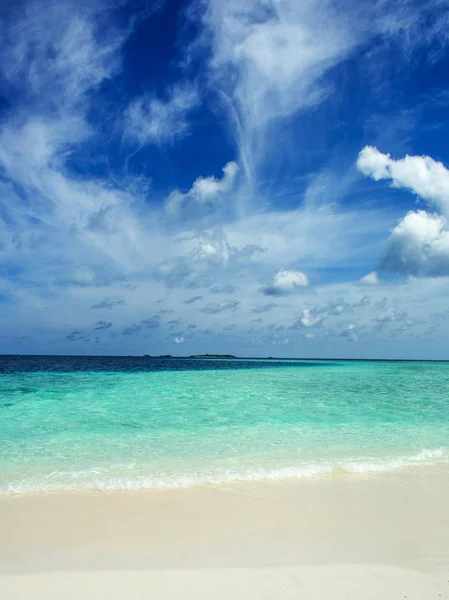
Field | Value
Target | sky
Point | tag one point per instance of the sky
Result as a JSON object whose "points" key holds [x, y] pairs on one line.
{"points": [[259, 178]]}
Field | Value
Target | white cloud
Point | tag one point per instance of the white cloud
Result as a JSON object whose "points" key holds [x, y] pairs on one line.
{"points": [[350, 332], [84, 275], [422, 175], [218, 307], [57, 57], [285, 282], [152, 120], [55, 53], [370, 279], [310, 318], [316, 315], [262, 308], [207, 196], [270, 59], [390, 316], [419, 243], [108, 303], [268, 62], [222, 289], [205, 258]]}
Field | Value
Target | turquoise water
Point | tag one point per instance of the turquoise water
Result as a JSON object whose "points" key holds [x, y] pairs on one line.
{"points": [[142, 425]]}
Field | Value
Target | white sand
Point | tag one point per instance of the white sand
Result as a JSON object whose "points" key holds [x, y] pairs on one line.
{"points": [[343, 537], [334, 582]]}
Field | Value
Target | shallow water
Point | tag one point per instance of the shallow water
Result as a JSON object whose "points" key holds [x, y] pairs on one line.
{"points": [[130, 423]]}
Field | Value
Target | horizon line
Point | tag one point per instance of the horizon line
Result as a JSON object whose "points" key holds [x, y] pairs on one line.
{"points": [[217, 356]]}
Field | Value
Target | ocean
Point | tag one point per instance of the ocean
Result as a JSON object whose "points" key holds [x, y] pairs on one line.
{"points": [[127, 423]]}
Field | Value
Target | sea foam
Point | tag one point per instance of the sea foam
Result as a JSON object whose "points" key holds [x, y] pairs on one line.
{"points": [[106, 479]]}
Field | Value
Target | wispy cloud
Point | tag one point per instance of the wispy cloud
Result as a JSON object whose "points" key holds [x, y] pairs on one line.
{"points": [[55, 72], [77, 233], [268, 61], [152, 120]]}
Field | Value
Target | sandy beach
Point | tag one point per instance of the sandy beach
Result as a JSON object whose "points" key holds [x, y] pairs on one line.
{"points": [[334, 537]]}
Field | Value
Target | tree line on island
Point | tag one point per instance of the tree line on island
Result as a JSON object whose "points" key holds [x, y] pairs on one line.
{"points": [[192, 356]]}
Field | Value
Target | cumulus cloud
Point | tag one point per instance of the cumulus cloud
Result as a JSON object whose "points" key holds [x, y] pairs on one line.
{"points": [[212, 256], [132, 330], [315, 316], [218, 307], [207, 196], [83, 276], [151, 322], [389, 316], [77, 336], [192, 300], [392, 322], [311, 317], [419, 246], [350, 332], [222, 289], [419, 243], [370, 279], [109, 303], [285, 282], [421, 175], [153, 120], [262, 308], [99, 325], [90, 275]]}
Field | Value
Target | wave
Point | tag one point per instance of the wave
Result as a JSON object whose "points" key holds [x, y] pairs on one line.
{"points": [[108, 479]]}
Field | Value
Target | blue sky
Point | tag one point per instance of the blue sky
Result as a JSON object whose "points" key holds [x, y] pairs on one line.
{"points": [[258, 178]]}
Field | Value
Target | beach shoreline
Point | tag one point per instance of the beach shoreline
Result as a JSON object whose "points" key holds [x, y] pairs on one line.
{"points": [[390, 528]]}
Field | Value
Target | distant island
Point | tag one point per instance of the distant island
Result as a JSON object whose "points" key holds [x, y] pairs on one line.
{"points": [[212, 356], [191, 356]]}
